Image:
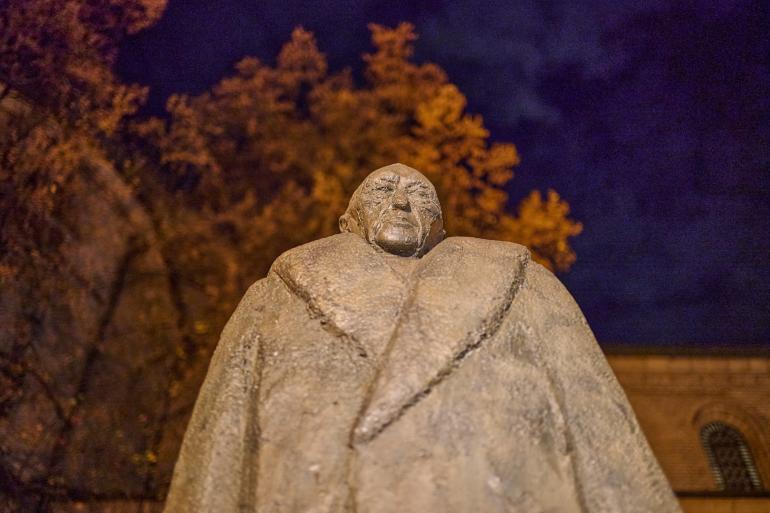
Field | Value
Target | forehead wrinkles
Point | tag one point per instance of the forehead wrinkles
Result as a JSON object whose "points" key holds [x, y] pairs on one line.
{"points": [[413, 184], [388, 179], [367, 195], [408, 182]]}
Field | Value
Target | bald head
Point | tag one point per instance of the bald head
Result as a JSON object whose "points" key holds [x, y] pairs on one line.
{"points": [[396, 209]]}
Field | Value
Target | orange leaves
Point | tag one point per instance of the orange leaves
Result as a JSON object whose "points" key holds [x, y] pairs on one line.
{"points": [[544, 224], [56, 52], [497, 163], [186, 144], [296, 126], [394, 79], [270, 140], [137, 15], [393, 43], [300, 61], [110, 17], [56, 61], [443, 111], [390, 63]]}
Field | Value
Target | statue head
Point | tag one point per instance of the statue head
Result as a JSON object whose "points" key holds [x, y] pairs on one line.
{"points": [[396, 209]]}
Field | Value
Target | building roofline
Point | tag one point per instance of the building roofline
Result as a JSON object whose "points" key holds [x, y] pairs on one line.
{"points": [[702, 350]]}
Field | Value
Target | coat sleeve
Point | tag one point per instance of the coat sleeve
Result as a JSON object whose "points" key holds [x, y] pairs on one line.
{"points": [[612, 462], [213, 471]]}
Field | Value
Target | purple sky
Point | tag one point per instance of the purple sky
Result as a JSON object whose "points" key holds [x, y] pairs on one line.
{"points": [[651, 118]]}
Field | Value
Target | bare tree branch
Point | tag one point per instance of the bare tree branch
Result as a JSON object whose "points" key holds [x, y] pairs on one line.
{"points": [[134, 248]]}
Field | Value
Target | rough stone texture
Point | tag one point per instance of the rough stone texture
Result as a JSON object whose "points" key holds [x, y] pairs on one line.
{"points": [[353, 380]]}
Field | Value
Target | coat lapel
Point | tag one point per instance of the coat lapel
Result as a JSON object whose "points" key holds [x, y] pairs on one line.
{"points": [[347, 286], [417, 332], [460, 293]]}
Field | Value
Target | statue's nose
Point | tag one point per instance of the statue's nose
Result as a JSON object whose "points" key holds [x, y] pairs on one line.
{"points": [[401, 199]]}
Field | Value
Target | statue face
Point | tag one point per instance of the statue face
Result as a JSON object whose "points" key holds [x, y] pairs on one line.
{"points": [[399, 211]]}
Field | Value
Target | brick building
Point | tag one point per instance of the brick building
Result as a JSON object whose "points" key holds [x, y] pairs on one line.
{"points": [[707, 418]]}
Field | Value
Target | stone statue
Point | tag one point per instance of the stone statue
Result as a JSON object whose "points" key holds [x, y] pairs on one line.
{"points": [[387, 370]]}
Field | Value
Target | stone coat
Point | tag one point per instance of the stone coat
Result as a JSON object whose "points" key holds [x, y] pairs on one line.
{"points": [[350, 380]]}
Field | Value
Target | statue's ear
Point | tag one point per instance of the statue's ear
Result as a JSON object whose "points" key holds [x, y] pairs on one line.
{"points": [[344, 223], [349, 223]]}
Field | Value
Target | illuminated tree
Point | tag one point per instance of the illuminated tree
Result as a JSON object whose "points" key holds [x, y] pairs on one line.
{"points": [[129, 241], [296, 140], [73, 243], [62, 100]]}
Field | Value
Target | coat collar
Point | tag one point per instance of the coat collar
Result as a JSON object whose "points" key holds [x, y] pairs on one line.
{"points": [[347, 286], [418, 330]]}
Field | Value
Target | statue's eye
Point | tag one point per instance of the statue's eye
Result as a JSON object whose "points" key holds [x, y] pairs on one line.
{"points": [[420, 193]]}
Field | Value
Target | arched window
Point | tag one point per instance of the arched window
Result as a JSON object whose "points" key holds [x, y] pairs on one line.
{"points": [[730, 458]]}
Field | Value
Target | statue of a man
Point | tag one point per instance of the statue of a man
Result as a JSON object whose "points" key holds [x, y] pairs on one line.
{"points": [[387, 370]]}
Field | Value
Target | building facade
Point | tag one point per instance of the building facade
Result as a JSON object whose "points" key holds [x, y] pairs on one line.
{"points": [[707, 419]]}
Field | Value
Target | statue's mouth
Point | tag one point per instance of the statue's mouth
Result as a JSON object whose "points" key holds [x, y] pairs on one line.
{"points": [[399, 220]]}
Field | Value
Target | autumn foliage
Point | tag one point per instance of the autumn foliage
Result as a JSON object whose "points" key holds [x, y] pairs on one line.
{"points": [[287, 145], [127, 241]]}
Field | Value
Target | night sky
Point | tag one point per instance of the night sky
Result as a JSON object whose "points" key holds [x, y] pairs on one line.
{"points": [[651, 118]]}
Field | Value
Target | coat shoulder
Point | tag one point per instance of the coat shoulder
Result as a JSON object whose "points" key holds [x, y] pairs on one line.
{"points": [[493, 249], [310, 252], [550, 292]]}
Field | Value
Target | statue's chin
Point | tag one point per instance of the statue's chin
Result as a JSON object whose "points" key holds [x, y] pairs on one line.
{"points": [[398, 241]]}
